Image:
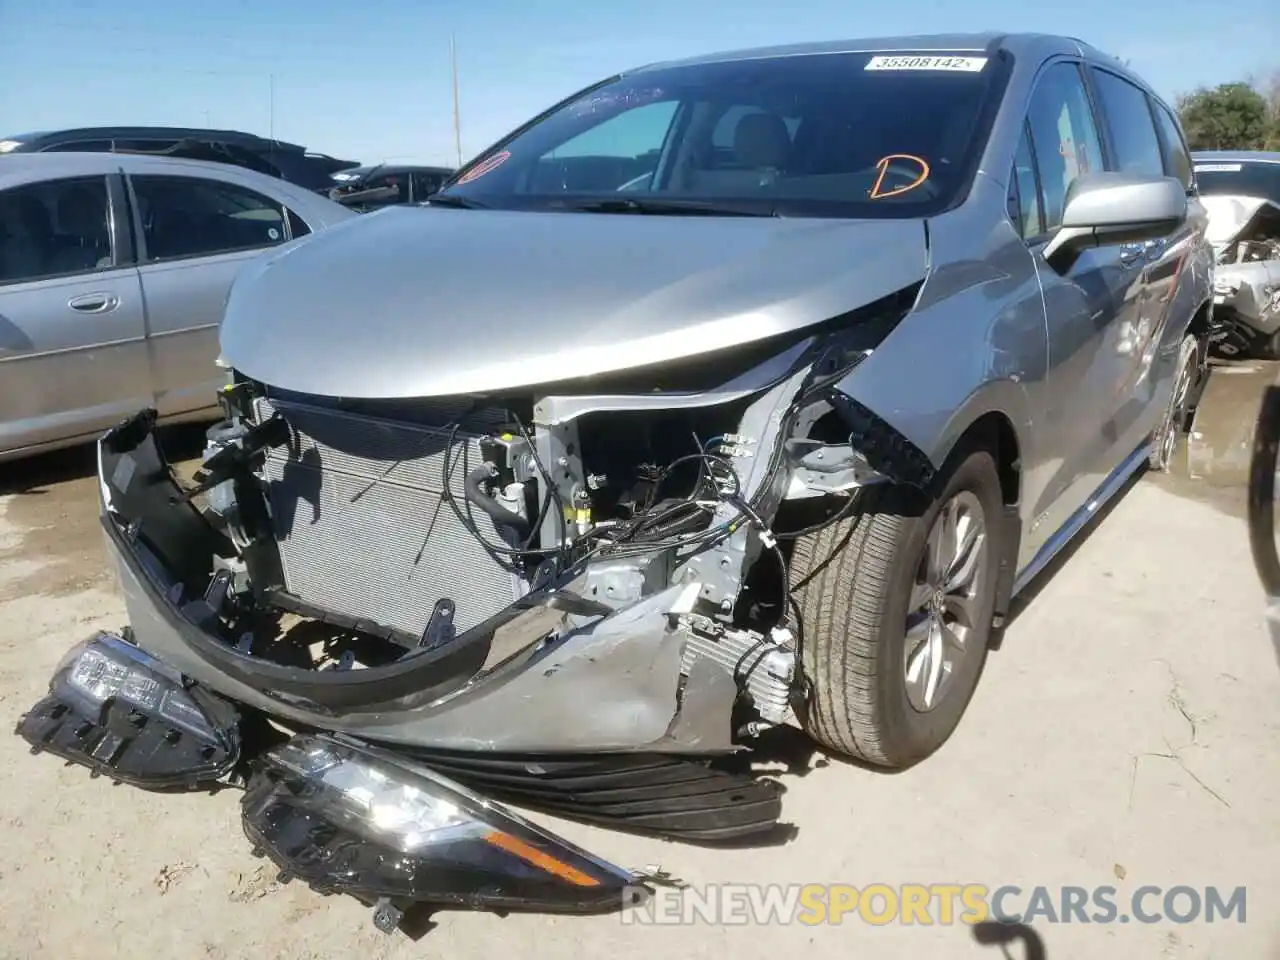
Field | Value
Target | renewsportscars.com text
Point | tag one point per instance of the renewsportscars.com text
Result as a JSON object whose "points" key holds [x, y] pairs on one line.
{"points": [[942, 904]]}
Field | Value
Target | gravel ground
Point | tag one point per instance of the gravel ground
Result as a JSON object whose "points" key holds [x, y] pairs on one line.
{"points": [[1125, 735]]}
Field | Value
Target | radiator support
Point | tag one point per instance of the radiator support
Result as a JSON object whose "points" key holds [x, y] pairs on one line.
{"points": [[362, 525]]}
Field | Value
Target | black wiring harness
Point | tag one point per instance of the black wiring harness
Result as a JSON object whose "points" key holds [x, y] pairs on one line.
{"points": [[663, 525], [504, 555]]}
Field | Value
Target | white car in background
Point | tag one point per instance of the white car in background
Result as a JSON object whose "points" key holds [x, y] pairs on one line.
{"points": [[114, 270], [1241, 193]]}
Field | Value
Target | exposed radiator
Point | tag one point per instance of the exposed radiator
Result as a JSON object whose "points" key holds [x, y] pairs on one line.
{"points": [[362, 526]]}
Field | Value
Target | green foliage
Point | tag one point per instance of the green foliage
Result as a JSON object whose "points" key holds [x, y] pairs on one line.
{"points": [[1233, 116]]}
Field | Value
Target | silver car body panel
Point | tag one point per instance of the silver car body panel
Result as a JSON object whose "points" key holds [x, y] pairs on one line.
{"points": [[1247, 276], [479, 301], [628, 668], [155, 346], [1252, 290], [576, 295], [1231, 215]]}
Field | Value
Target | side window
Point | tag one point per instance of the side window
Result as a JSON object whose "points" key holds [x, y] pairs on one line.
{"points": [[1063, 136], [634, 132], [619, 152], [145, 146], [1177, 159], [297, 226], [54, 229], [80, 146], [1027, 215], [425, 184], [395, 181], [191, 216], [1129, 120]]}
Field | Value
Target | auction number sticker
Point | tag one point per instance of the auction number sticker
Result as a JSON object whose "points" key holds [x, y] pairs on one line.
{"points": [[961, 64]]}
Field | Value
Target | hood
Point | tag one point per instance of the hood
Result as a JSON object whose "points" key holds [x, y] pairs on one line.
{"points": [[1230, 215], [423, 301]]}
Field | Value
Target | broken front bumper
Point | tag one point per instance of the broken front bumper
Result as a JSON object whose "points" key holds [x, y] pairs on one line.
{"points": [[334, 812], [382, 790], [500, 687]]}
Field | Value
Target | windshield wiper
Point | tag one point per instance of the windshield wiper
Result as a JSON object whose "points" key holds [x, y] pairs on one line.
{"points": [[453, 200], [691, 208]]}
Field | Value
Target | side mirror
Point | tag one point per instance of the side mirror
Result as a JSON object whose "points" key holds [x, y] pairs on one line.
{"points": [[1107, 208]]}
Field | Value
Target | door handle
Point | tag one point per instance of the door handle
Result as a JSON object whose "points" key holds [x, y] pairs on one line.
{"points": [[94, 302]]}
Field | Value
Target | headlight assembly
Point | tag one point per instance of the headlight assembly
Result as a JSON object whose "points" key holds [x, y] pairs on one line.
{"points": [[118, 711], [348, 818]]}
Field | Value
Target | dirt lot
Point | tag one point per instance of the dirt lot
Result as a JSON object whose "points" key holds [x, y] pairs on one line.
{"points": [[1125, 735]]}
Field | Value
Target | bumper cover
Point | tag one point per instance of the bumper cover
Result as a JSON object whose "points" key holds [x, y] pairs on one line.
{"points": [[497, 687], [497, 709], [332, 811]]}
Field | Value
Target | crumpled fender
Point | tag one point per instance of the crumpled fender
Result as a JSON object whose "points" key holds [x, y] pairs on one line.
{"points": [[975, 335]]}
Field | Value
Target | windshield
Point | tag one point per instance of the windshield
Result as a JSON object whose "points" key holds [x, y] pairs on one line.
{"points": [[845, 135], [1239, 178]]}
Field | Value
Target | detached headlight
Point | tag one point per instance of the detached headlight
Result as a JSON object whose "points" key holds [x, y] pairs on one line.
{"points": [[352, 819], [119, 711]]}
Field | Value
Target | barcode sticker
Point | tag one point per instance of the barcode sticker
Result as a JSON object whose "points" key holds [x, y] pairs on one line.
{"points": [[1219, 167], [962, 64]]}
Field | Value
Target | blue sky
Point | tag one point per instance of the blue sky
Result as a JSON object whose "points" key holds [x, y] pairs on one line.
{"points": [[370, 79]]}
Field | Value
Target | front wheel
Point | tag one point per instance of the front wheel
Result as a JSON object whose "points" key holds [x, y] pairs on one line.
{"points": [[896, 604], [1174, 419]]}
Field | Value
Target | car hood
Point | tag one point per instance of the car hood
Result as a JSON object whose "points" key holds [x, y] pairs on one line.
{"points": [[1231, 214], [420, 302]]}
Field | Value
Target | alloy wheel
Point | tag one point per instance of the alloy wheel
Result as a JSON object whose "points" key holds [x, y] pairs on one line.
{"points": [[945, 599]]}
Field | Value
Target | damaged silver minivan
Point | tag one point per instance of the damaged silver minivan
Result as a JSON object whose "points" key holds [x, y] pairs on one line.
{"points": [[726, 395], [1240, 191]]}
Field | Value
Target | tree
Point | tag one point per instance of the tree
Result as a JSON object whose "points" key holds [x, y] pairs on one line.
{"points": [[1271, 90], [1232, 116]]}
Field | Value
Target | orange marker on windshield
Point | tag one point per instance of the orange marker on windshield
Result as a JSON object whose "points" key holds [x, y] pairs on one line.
{"points": [[883, 165]]}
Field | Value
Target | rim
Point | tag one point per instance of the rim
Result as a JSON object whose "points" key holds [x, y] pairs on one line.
{"points": [[942, 613], [1176, 414]]}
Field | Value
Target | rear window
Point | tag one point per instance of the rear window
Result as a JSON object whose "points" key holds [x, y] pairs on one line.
{"points": [[851, 134], [1238, 177]]}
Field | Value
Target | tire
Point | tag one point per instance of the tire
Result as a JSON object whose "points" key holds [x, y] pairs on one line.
{"points": [[1172, 422], [1266, 348], [852, 583]]}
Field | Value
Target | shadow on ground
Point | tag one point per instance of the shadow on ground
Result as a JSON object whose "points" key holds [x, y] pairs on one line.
{"points": [[1005, 935], [33, 476]]}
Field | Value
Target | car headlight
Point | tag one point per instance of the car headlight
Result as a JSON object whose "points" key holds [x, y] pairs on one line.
{"points": [[348, 818], [119, 711]]}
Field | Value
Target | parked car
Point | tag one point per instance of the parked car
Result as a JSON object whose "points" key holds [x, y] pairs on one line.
{"points": [[383, 185], [113, 275], [1248, 173], [1241, 191], [288, 161], [736, 392]]}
